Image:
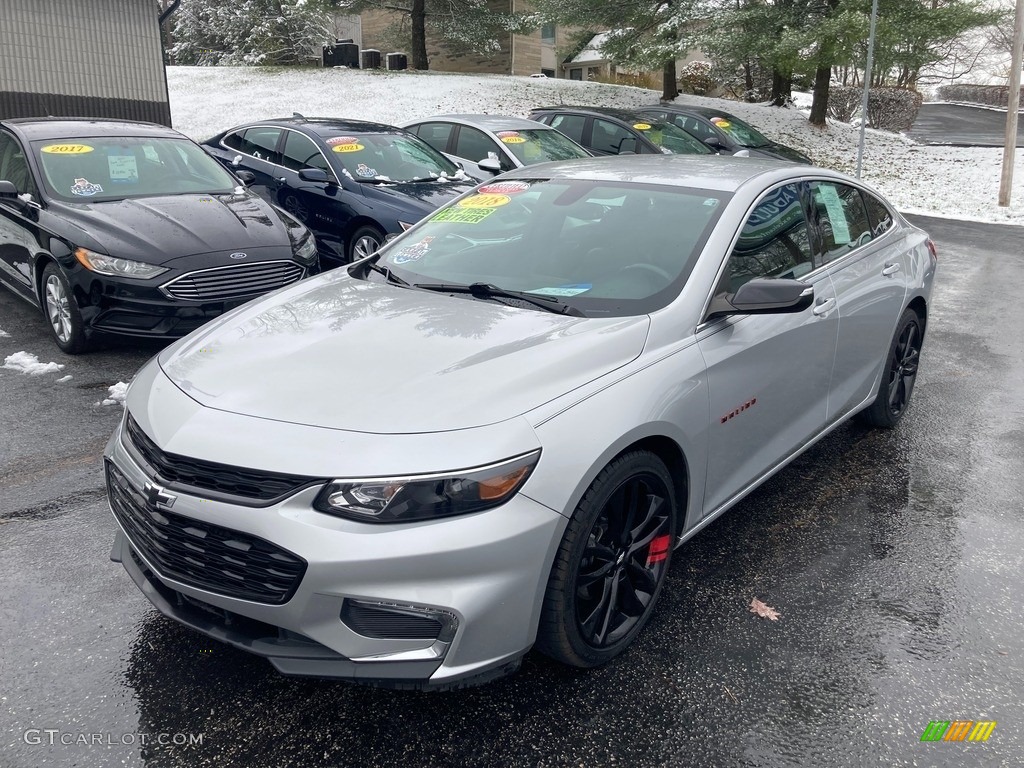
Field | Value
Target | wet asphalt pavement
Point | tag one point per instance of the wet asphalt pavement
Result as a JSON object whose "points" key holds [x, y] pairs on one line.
{"points": [[962, 126], [894, 558]]}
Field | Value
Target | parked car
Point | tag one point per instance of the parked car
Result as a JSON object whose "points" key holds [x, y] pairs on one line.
{"points": [[724, 133], [485, 145], [607, 131], [351, 182], [574, 370], [131, 229]]}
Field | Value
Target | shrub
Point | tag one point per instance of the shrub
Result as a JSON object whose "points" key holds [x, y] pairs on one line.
{"points": [[893, 109], [989, 95], [697, 78], [843, 102]]}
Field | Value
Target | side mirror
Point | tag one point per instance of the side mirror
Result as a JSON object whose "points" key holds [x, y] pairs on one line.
{"points": [[490, 165], [714, 142], [248, 178], [8, 191], [390, 236], [627, 147], [764, 296], [314, 175]]}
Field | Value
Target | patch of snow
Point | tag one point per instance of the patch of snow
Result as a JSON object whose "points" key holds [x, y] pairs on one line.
{"points": [[4, 334], [956, 182], [26, 362], [115, 394], [62, 379]]}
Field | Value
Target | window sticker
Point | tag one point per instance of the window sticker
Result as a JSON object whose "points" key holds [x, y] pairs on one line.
{"points": [[347, 148], [413, 252], [485, 201], [85, 188], [829, 197], [123, 169], [462, 215], [720, 122], [67, 149], [504, 188], [510, 137], [564, 290], [150, 152], [364, 171], [642, 126], [335, 140]]}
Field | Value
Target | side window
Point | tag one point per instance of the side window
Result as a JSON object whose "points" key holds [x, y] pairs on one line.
{"points": [[695, 127], [300, 152], [261, 143], [14, 166], [842, 220], [435, 134], [878, 215], [774, 242], [570, 125], [233, 141], [473, 144], [611, 138]]}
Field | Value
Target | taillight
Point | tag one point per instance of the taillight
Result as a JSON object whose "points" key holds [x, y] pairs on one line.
{"points": [[931, 248]]}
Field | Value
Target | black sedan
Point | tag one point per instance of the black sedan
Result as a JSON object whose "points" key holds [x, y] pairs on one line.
{"points": [[351, 182], [607, 131], [724, 133], [132, 229]]}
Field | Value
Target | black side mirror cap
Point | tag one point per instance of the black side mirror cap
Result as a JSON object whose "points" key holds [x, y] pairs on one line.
{"points": [[248, 178], [8, 190], [315, 175], [765, 296]]}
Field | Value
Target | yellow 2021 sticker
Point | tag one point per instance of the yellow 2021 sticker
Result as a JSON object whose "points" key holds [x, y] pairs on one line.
{"points": [[348, 148], [485, 201], [642, 126], [67, 149]]}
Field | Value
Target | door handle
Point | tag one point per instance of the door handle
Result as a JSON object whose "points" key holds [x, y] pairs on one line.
{"points": [[282, 180], [824, 307], [891, 269]]}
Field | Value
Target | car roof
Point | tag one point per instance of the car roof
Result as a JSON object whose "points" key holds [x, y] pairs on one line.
{"points": [[725, 174], [42, 128], [324, 126], [626, 115], [488, 122], [690, 109]]}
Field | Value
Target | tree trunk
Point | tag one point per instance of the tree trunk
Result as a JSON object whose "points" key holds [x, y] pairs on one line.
{"points": [[669, 86], [748, 81], [782, 87], [822, 78], [418, 19]]}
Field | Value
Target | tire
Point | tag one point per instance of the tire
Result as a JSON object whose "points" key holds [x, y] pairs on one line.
{"points": [[608, 572], [61, 311], [898, 376], [363, 242]]}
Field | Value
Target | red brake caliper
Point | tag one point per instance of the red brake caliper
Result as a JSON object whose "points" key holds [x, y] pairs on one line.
{"points": [[659, 549]]}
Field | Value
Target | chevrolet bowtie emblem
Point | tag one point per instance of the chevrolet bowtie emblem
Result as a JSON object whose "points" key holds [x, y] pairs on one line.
{"points": [[158, 497]]}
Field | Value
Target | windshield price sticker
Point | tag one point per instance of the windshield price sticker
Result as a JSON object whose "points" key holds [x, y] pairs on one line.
{"points": [[564, 290], [485, 201], [642, 126], [67, 149], [462, 215], [504, 188], [122, 168]]}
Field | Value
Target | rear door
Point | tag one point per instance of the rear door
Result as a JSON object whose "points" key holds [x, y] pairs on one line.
{"points": [[768, 375], [257, 151], [867, 264]]}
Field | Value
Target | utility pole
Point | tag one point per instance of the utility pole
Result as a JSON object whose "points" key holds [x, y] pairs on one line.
{"points": [[867, 85], [1012, 107]]}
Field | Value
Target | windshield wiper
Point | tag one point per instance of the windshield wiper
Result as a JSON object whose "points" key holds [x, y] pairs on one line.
{"points": [[488, 291], [377, 180], [391, 276]]}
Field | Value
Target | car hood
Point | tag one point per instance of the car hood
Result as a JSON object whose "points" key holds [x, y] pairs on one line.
{"points": [[347, 354], [781, 152], [420, 197], [155, 230]]}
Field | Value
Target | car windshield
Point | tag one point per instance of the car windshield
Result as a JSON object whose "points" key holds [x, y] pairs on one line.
{"points": [[122, 167], [540, 146], [671, 138], [387, 157], [603, 247], [743, 134]]}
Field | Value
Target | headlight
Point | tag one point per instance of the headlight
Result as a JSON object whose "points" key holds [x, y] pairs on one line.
{"points": [[108, 265], [426, 497], [306, 250]]}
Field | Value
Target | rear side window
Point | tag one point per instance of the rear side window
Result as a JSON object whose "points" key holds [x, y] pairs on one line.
{"points": [[259, 142], [878, 214], [570, 125], [842, 219], [435, 134], [774, 242]]}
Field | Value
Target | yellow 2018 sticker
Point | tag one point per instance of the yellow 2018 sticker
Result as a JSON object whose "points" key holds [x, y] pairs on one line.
{"points": [[67, 149], [513, 140], [348, 148], [485, 201], [642, 126], [721, 122]]}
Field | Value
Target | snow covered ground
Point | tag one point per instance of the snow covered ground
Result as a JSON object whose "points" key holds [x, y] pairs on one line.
{"points": [[941, 181]]}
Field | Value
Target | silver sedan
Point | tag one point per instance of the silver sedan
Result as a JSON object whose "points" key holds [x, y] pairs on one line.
{"points": [[497, 432]]}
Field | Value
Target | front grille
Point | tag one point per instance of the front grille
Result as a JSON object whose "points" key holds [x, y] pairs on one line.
{"points": [[211, 476], [201, 554], [381, 623], [234, 281]]}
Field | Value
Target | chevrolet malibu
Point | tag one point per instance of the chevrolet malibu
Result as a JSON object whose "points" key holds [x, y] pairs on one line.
{"points": [[495, 433]]}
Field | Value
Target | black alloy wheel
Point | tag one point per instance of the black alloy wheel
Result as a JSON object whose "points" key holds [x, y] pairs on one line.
{"points": [[897, 383], [612, 562]]}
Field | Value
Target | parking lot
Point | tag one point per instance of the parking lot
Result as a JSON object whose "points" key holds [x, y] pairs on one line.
{"points": [[894, 559]]}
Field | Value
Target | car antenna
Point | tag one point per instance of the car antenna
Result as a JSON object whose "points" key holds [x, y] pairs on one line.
{"points": [[298, 115]]}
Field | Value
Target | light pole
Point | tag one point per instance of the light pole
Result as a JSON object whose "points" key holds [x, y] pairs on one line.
{"points": [[1012, 107], [867, 85]]}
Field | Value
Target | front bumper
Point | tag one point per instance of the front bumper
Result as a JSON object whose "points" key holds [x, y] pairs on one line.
{"points": [[487, 571]]}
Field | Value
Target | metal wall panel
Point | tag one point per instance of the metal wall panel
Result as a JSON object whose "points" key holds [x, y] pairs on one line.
{"points": [[100, 55]]}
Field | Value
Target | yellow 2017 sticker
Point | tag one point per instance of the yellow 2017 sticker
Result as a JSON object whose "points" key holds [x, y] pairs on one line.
{"points": [[485, 201], [348, 148], [642, 126], [67, 149]]}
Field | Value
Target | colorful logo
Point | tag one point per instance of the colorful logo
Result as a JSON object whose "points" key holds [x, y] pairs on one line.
{"points": [[958, 730], [504, 188], [85, 188]]}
